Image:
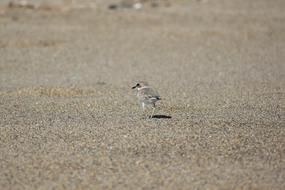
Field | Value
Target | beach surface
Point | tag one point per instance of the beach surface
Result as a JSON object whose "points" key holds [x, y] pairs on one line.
{"points": [[70, 120]]}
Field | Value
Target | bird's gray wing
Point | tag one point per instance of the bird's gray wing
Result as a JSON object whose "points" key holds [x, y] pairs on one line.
{"points": [[149, 93]]}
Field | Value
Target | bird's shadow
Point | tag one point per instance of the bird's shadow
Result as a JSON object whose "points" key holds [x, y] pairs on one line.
{"points": [[161, 117]]}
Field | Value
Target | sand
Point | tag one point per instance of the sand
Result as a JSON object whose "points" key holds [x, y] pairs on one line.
{"points": [[69, 119]]}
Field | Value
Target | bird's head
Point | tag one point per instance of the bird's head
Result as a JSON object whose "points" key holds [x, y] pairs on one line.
{"points": [[140, 84]]}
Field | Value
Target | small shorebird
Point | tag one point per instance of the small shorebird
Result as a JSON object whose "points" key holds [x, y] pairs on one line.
{"points": [[146, 95]]}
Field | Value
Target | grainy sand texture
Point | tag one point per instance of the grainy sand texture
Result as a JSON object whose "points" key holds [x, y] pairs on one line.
{"points": [[70, 120]]}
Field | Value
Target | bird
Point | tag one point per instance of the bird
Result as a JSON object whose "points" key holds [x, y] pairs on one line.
{"points": [[146, 95]]}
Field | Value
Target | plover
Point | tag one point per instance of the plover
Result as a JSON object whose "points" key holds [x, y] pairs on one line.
{"points": [[146, 95]]}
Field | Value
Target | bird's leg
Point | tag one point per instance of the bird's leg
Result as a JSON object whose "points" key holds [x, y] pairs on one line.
{"points": [[153, 110], [143, 108]]}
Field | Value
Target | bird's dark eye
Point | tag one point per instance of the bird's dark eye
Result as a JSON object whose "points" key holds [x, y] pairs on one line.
{"points": [[138, 84]]}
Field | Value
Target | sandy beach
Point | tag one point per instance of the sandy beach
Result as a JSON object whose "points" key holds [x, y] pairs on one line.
{"points": [[70, 120]]}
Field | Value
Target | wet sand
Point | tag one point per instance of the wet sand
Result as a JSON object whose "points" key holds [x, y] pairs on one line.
{"points": [[69, 119]]}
